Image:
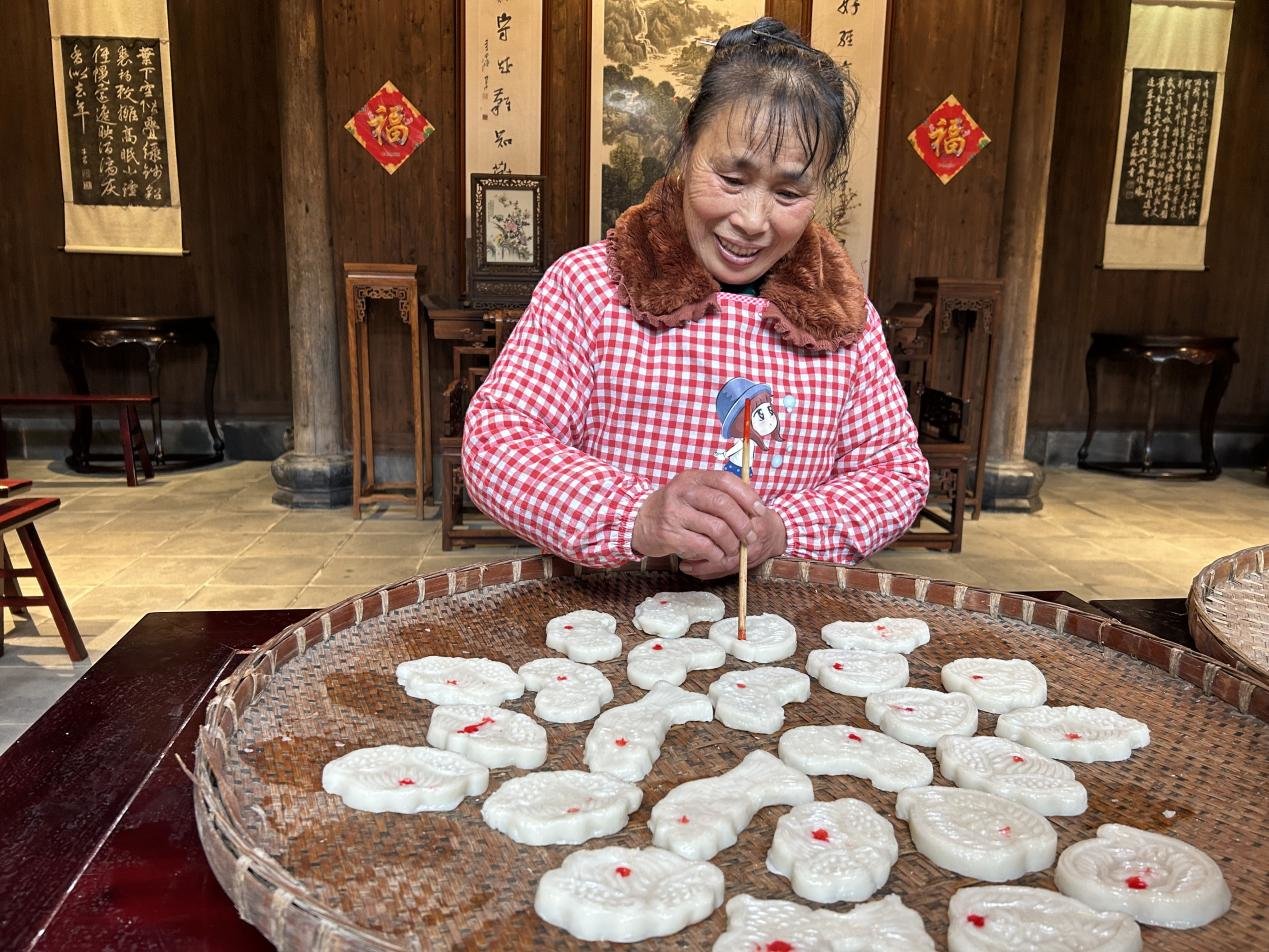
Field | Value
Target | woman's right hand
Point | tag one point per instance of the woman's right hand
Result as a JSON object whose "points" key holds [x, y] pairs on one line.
{"points": [[699, 515]]}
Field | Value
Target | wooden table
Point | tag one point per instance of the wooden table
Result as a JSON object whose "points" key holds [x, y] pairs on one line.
{"points": [[73, 333], [100, 849], [1217, 353]]}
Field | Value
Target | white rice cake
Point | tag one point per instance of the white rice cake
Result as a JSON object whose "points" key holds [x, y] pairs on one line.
{"points": [[1007, 918], [977, 834], [617, 894], [670, 661], [903, 635], [1158, 880], [919, 716], [446, 680], [767, 638], [997, 685], [699, 818], [397, 779], [567, 692], [586, 636], [1014, 772], [840, 749], [857, 673], [561, 806], [1082, 734], [838, 851], [775, 925], [754, 700], [488, 735], [670, 614]]}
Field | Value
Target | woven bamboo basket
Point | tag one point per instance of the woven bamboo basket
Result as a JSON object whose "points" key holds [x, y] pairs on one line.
{"points": [[1228, 611], [312, 874]]}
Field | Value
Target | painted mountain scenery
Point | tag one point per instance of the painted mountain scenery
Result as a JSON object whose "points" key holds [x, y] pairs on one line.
{"points": [[654, 54]]}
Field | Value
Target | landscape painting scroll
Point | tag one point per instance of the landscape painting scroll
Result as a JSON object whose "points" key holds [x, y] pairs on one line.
{"points": [[646, 60]]}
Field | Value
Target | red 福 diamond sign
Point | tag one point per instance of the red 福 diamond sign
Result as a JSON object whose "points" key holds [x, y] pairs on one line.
{"points": [[389, 127], [948, 139]]}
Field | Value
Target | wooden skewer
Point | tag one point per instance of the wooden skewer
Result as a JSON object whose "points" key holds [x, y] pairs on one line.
{"points": [[744, 549]]}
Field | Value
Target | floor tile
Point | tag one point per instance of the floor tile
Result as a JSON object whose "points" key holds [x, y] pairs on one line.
{"points": [[289, 569], [235, 597], [366, 571]]}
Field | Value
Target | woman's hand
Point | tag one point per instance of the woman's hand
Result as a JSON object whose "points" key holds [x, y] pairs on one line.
{"points": [[769, 542], [702, 516], [699, 515]]}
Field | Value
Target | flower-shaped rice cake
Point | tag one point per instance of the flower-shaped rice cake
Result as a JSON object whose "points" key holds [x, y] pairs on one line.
{"points": [[567, 692], [977, 834], [1082, 734], [840, 749], [1006, 918], [904, 635], [397, 779], [586, 636], [886, 925], [754, 700], [670, 614], [921, 717], [838, 851], [857, 673], [698, 818], [561, 806], [767, 638], [670, 661], [616, 894], [997, 685], [488, 735], [625, 741], [1158, 880], [443, 680], [1014, 772]]}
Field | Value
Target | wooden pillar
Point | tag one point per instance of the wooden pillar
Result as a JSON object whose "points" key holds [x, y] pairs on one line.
{"points": [[1012, 482], [317, 472]]}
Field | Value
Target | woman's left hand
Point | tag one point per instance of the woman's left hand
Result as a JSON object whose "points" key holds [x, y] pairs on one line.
{"points": [[769, 544]]}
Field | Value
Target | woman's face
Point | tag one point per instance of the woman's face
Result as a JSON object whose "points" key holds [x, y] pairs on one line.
{"points": [[745, 209]]}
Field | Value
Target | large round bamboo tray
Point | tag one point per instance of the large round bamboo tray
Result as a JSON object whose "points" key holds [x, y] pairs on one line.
{"points": [[312, 874], [1228, 611]]}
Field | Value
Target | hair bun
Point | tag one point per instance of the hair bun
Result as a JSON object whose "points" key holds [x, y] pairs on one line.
{"points": [[762, 30]]}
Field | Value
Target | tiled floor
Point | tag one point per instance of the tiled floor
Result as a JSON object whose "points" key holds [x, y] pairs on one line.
{"points": [[212, 539]]}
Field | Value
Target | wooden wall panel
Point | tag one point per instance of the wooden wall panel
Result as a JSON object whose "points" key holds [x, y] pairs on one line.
{"points": [[966, 48], [227, 147], [1078, 297]]}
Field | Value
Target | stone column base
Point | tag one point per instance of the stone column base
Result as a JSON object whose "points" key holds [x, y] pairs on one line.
{"points": [[313, 482], [1012, 485]]}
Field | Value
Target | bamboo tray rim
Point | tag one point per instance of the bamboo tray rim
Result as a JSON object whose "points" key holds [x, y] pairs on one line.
{"points": [[1212, 579], [278, 904]]}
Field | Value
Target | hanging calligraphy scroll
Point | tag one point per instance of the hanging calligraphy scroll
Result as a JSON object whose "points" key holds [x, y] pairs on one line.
{"points": [[853, 32], [112, 79], [1170, 111], [646, 58], [503, 70]]}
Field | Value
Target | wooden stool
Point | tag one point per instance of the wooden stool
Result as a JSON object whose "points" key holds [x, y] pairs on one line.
{"points": [[19, 515]]}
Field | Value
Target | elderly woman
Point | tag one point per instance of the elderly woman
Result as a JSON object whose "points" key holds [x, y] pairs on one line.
{"points": [[612, 425]]}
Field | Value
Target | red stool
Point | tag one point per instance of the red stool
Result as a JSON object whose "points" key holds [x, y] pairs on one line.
{"points": [[19, 515]]}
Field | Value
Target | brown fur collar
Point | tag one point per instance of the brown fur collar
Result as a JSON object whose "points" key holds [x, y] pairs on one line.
{"points": [[816, 299]]}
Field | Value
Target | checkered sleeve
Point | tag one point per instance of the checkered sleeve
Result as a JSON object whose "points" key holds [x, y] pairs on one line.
{"points": [[521, 461], [880, 479]]}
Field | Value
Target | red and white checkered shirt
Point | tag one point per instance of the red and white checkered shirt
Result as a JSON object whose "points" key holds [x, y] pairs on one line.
{"points": [[587, 411]]}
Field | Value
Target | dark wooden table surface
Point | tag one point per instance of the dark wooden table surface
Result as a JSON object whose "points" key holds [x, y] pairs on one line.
{"points": [[98, 848]]}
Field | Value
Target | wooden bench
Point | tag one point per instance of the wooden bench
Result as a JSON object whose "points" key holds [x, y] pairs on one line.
{"points": [[131, 439], [19, 515], [11, 487]]}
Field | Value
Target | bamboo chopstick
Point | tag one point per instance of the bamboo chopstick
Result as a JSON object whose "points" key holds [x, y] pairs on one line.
{"points": [[743, 599]]}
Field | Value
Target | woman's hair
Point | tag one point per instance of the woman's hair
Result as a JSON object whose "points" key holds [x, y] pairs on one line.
{"points": [[785, 86]]}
